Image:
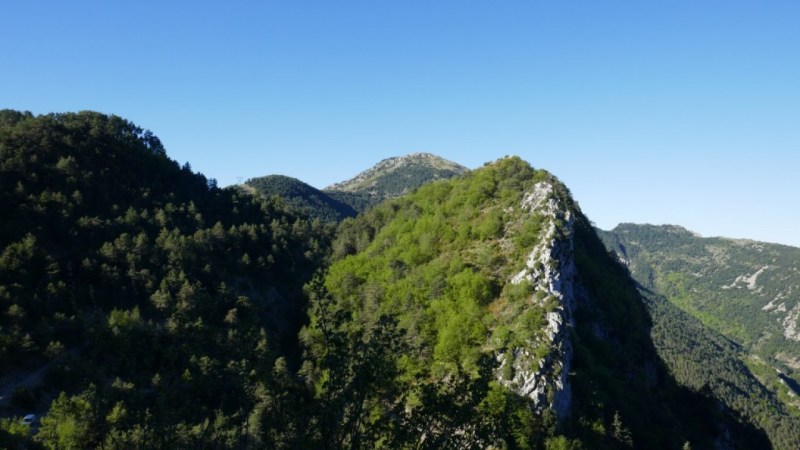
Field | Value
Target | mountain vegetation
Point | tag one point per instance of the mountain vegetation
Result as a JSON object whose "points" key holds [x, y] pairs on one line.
{"points": [[746, 290], [423, 300], [400, 175], [389, 178], [711, 364], [722, 312], [153, 304], [304, 198], [141, 306]]}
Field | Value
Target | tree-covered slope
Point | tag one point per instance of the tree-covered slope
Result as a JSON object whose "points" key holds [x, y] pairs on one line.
{"points": [[143, 307], [707, 362], [482, 312], [389, 178], [140, 306], [701, 289], [305, 198], [748, 291]]}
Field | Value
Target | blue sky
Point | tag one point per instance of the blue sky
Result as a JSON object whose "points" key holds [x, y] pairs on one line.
{"points": [[659, 112]]}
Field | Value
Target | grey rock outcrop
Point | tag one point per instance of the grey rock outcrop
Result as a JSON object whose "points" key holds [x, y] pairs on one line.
{"points": [[550, 269]]}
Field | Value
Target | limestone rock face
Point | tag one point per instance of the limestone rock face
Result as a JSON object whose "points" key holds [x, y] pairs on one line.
{"points": [[550, 269]]}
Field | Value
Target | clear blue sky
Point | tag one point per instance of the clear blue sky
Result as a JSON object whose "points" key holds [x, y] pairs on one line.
{"points": [[684, 112]]}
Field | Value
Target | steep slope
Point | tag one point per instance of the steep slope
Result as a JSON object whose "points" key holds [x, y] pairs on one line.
{"points": [[748, 291], [484, 311], [140, 306], [305, 198], [706, 361], [713, 287]]}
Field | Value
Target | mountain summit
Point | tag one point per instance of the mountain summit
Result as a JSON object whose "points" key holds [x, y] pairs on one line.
{"points": [[399, 175], [390, 178]]}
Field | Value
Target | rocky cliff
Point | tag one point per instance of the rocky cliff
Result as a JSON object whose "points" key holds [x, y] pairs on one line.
{"points": [[550, 269]]}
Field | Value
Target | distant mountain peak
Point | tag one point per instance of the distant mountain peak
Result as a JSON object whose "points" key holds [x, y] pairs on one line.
{"points": [[390, 178], [400, 174], [676, 229]]}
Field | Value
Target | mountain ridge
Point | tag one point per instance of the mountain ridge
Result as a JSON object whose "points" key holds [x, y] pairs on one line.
{"points": [[763, 276], [752, 284], [515, 279], [737, 293], [305, 198], [481, 310], [389, 178], [682, 229]]}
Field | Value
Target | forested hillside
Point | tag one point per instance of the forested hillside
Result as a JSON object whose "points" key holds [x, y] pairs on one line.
{"points": [[720, 318], [153, 306], [143, 307], [484, 312], [389, 178], [304, 198], [746, 290], [707, 362]]}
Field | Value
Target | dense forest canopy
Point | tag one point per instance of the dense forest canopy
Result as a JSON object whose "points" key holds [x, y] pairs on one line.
{"points": [[302, 197], [156, 301]]}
